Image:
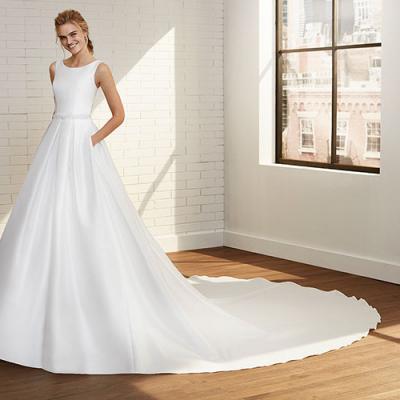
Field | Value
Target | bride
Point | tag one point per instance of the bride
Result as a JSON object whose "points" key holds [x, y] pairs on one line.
{"points": [[85, 288]]}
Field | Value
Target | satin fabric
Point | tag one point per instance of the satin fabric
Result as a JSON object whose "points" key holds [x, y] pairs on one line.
{"points": [[86, 289]]}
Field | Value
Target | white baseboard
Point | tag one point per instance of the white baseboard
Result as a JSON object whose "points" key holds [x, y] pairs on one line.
{"points": [[353, 264], [191, 241]]}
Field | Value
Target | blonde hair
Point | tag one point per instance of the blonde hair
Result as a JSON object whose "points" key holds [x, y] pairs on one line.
{"points": [[76, 18]]}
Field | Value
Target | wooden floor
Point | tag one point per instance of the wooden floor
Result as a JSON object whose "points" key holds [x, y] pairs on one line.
{"points": [[368, 369]]}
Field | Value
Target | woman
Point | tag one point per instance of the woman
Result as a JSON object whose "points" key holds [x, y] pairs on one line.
{"points": [[73, 38], [85, 288]]}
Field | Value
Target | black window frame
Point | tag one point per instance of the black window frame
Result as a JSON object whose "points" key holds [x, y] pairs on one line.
{"points": [[279, 52]]}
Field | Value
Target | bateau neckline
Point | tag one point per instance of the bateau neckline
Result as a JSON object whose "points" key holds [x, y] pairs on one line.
{"points": [[83, 66]]}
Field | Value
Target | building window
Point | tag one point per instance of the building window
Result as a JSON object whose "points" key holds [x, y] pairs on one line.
{"points": [[306, 135], [373, 148], [376, 62], [328, 62], [341, 136]]}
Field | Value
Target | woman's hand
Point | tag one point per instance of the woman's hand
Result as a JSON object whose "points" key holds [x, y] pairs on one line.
{"points": [[94, 140]]}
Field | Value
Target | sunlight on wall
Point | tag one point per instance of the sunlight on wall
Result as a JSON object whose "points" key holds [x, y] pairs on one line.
{"points": [[144, 147], [147, 138], [4, 220]]}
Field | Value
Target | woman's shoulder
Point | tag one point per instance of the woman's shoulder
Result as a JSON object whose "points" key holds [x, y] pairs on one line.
{"points": [[103, 69], [52, 70], [102, 65], [52, 65]]}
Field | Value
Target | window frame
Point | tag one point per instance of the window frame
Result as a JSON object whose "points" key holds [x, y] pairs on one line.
{"points": [[279, 53]]}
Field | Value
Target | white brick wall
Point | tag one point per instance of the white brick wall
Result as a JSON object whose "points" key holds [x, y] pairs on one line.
{"points": [[167, 60]]}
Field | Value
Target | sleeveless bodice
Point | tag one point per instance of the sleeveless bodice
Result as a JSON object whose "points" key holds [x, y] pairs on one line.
{"points": [[74, 89]]}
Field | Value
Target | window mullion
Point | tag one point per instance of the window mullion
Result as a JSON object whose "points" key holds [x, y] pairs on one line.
{"points": [[279, 88], [334, 86]]}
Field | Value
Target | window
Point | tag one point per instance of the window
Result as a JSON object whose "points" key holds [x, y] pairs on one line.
{"points": [[307, 135], [342, 128], [376, 62], [373, 139], [372, 136], [328, 77]]}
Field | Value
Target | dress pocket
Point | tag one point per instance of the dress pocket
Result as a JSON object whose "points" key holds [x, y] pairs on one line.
{"points": [[90, 141]]}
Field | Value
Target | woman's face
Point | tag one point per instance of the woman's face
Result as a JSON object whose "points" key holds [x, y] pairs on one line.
{"points": [[71, 37]]}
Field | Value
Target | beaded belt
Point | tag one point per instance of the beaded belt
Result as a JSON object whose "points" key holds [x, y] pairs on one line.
{"points": [[73, 116]]}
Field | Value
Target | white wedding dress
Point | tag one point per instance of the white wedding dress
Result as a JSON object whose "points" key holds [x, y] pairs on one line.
{"points": [[85, 288]]}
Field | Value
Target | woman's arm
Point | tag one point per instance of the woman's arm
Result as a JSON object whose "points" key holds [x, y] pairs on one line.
{"points": [[105, 80], [52, 71]]}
